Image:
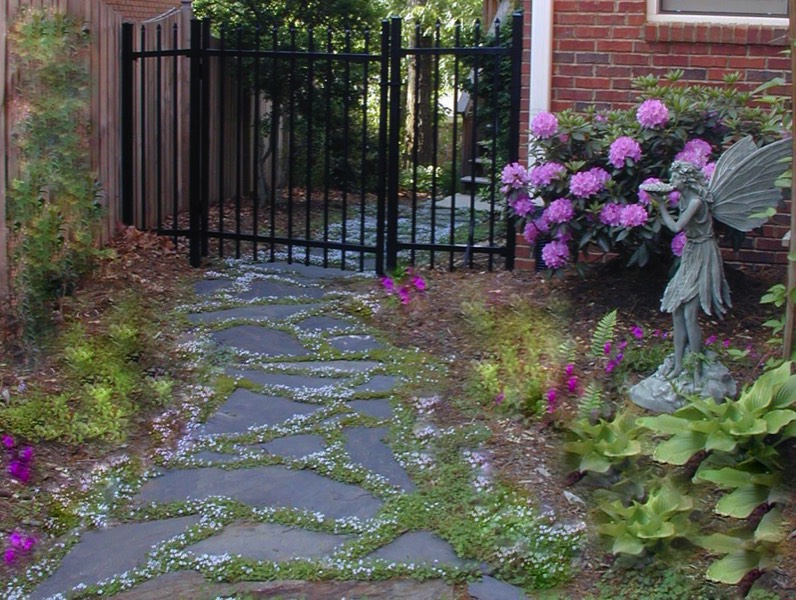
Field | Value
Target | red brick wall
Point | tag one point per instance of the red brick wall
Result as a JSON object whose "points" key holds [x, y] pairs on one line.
{"points": [[600, 46]]}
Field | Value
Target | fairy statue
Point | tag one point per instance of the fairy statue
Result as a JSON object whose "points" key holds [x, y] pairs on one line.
{"points": [[739, 194]]}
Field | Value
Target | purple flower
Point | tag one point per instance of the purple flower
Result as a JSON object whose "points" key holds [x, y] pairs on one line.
{"points": [[419, 283], [544, 125], [544, 174], [633, 215], [15, 539], [622, 345], [514, 176], [530, 233], [652, 113], [585, 184], [403, 294], [572, 384], [19, 471], [611, 214], [643, 196], [708, 169], [726, 343], [711, 340], [551, 400], [569, 370], [555, 254], [678, 244], [26, 455], [388, 284], [609, 368], [674, 198], [559, 211], [522, 205], [8, 441], [696, 152], [9, 556], [624, 148], [607, 348], [637, 332], [500, 398], [28, 543]]}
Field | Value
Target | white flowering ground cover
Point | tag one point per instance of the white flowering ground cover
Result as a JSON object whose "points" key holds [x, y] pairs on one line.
{"points": [[473, 521]]}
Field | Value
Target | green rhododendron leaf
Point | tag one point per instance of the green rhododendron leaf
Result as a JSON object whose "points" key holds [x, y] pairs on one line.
{"points": [[733, 567], [726, 478], [627, 544], [786, 394], [777, 419], [771, 527], [665, 424], [721, 441], [740, 503], [719, 543], [678, 449], [595, 463]]}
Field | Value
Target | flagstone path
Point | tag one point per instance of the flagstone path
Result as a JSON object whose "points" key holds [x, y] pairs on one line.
{"points": [[312, 392]]}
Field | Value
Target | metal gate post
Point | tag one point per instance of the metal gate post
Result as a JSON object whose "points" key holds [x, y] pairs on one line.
{"points": [[384, 92], [514, 122], [393, 143], [195, 128], [127, 191]]}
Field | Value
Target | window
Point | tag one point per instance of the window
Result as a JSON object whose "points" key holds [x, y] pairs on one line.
{"points": [[773, 12]]}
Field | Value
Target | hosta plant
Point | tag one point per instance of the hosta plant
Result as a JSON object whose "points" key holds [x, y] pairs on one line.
{"points": [[599, 447]]}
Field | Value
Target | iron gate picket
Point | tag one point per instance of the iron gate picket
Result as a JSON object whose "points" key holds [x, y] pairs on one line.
{"points": [[295, 149]]}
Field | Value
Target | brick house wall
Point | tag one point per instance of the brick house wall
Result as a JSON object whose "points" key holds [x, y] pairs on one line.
{"points": [[600, 46]]}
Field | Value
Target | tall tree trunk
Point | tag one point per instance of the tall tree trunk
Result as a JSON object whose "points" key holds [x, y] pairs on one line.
{"points": [[419, 101]]}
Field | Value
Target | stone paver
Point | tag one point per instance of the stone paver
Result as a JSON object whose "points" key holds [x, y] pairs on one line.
{"points": [[90, 561], [284, 379], [264, 486], [295, 446], [334, 366], [378, 384], [355, 343], [260, 340], [490, 588], [365, 445], [267, 541], [278, 289], [419, 547], [381, 409], [209, 287], [253, 312], [245, 409], [320, 323]]}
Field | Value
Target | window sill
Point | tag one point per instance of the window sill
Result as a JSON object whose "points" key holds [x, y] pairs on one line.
{"points": [[716, 33]]}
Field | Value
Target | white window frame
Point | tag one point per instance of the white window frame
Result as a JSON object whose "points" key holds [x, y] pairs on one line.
{"points": [[654, 16]]}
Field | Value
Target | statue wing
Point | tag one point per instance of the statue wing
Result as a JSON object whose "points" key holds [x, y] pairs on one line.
{"points": [[743, 182]]}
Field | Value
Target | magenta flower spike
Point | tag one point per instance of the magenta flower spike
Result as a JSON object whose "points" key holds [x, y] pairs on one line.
{"points": [[8, 441], [9, 556]]}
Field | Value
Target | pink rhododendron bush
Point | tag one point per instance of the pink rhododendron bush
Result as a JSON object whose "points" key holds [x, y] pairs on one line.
{"points": [[580, 192]]}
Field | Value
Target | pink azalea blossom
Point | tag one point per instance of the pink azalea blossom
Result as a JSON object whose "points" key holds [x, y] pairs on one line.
{"points": [[555, 254], [678, 244], [611, 214], [652, 113], [559, 211], [544, 125], [633, 215], [544, 174], [623, 148]]}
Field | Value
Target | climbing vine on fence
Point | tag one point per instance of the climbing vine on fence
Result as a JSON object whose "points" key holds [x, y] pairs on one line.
{"points": [[52, 208]]}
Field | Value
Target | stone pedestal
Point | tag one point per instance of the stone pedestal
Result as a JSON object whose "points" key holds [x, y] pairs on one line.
{"points": [[660, 394]]}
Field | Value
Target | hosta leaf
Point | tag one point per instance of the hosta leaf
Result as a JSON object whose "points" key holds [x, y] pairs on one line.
{"points": [[771, 527], [627, 544], [631, 448], [727, 478], [665, 424], [742, 501], [678, 449], [749, 427], [777, 419], [718, 543], [786, 394], [707, 426], [789, 431], [721, 441], [661, 531], [595, 463], [733, 567]]}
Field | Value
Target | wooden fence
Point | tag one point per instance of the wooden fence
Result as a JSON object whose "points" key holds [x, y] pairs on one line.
{"points": [[104, 26]]}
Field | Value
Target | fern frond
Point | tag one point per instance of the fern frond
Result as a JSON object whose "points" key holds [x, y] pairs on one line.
{"points": [[591, 402], [603, 333], [567, 351]]}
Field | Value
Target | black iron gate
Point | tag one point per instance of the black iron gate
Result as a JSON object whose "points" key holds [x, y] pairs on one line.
{"points": [[292, 145]]}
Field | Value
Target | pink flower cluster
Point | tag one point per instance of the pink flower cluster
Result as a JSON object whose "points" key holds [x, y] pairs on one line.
{"points": [[521, 204], [544, 174], [652, 113], [514, 177], [587, 183], [405, 287], [622, 149], [678, 244], [616, 215], [544, 125], [533, 229], [696, 152], [555, 254], [20, 459], [559, 211], [18, 544]]}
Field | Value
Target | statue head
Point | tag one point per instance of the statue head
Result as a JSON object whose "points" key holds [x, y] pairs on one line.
{"points": [[686, 175]]}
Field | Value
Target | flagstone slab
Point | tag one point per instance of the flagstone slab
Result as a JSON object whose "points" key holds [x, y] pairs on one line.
{"points": [[295, 446], [321, 323], [419, 547], [284, 379], [253, 312], [259, 487], [211, 456], [310, 271], [380, 409], [378, 384], [490, 588], [90, 561], [270, 288], [267, 541], [333, 366], [365, 446], [355, 343], [209, 287], [184, 585], [260, 340], [245, 409]]}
